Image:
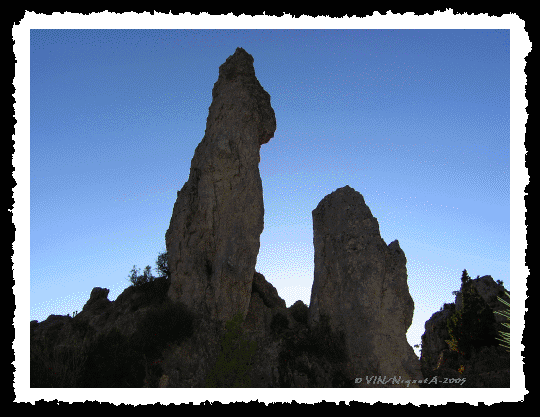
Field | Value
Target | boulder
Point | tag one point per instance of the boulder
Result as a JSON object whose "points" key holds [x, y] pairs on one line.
{"points": [[213, 237], [360, 285]]}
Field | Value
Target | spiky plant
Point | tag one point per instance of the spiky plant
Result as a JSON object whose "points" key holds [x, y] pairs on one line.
{"points": [[506, 313]]}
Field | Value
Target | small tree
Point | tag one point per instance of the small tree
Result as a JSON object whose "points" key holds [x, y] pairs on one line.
{"points": [[473, 326], [147, 274], [137, 279], [134, 275], [162, 264]]}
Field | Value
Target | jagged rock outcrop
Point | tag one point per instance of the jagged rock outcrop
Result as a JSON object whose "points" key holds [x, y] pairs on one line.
{"points": [[179, 331], [98, 299], [140, 339], [171, 332], [360, 284], [487, 367], [489, 290], [213, 237], [190, 363], [78, 351]]}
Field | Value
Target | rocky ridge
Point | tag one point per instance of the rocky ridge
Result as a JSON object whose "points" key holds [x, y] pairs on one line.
{"points": [[488, 366], [212, 320]]}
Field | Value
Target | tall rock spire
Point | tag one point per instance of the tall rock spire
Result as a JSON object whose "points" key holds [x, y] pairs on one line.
{"points": [[360, 285], [213, 237]]}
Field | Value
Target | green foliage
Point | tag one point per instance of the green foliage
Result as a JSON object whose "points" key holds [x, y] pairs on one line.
{"points": [[137, 279], [234, 361], [473, 326], [162, 264], [506, 313], [161, 325]]}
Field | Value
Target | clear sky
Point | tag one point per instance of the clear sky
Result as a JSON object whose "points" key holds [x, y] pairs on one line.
{"points": [[417, 121]]}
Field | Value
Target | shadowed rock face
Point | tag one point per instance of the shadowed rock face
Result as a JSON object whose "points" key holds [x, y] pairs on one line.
{"points": [[213, 237], [360, 284], [354, 328], [489, 366], [489, 290]]}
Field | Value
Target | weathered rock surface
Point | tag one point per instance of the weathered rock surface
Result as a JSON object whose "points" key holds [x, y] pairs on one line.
{"points": [[288, 353], [360, 284], [489, 367], [176, 331], [134, 341], [65, 345], [213, 237], [98, 299]]}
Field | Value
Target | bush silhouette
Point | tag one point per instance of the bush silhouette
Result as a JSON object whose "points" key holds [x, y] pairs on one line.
{"points": [[162, 264], [137, 280]]}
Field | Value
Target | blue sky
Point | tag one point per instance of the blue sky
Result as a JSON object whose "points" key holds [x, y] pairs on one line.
{"points": [[417, 121]]}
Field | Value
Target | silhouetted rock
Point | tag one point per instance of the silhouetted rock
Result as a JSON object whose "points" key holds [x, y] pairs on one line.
{"points": [[267, 292], [360, 284], [488, 366], [65, 350], [288, 354], [218, 322], [213, 237], [190, 363], [98, 299], [489, 290], [299, 311], [435, 336]]}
